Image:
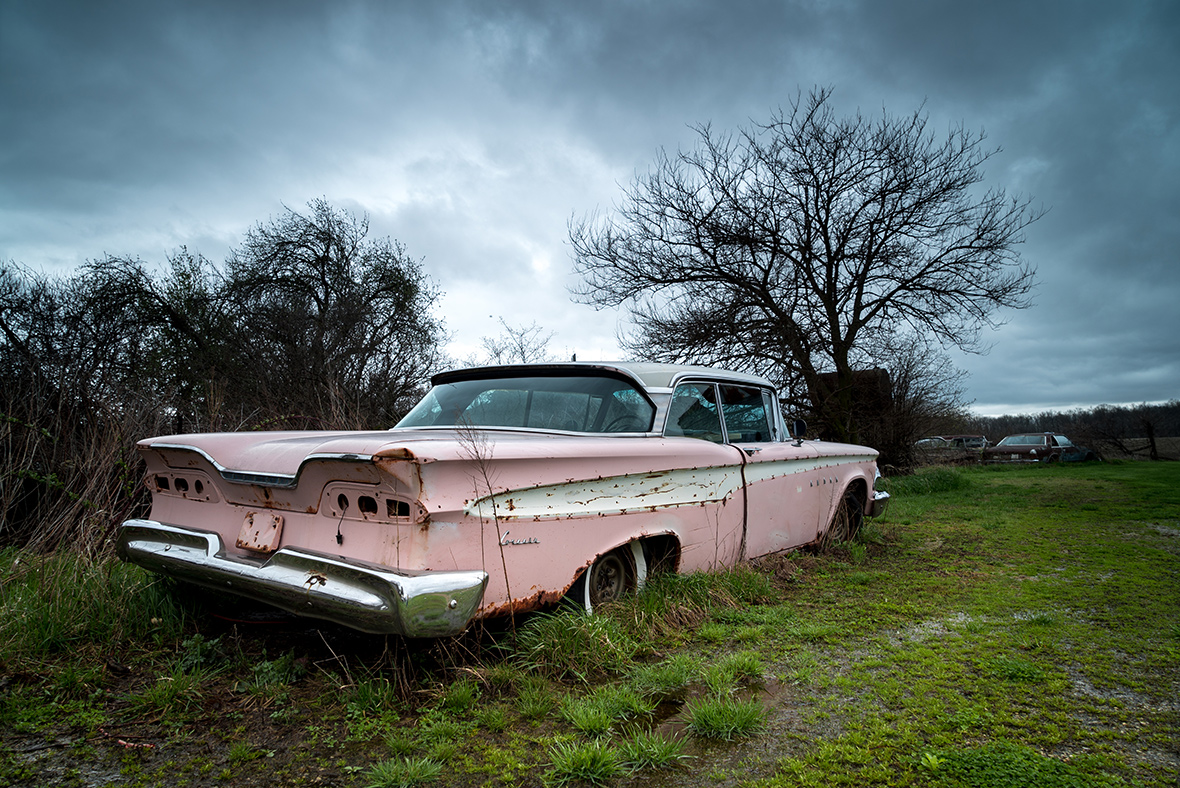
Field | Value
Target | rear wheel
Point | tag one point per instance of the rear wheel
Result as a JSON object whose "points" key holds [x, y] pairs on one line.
{"points": [[612, 576]]}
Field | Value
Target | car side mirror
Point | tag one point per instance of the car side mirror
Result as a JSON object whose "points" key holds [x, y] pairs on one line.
{"points": [[799, 429]]}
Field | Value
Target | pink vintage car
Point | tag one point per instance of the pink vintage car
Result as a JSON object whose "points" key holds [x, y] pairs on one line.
{"points": [[504, 490]]}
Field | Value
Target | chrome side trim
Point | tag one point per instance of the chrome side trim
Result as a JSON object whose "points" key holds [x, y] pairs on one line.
{"points": [[256, 477], [354, 593]]}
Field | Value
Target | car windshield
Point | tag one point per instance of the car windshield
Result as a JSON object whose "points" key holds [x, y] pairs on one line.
{"points": [[1023, 440], [569, 403]]}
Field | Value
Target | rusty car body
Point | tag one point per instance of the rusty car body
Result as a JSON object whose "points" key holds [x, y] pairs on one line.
{"points": [[505, 489], [1037, 447], [950, 449]]}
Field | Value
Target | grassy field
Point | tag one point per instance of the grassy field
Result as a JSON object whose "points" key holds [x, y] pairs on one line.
{"points": [[1000, 627]]}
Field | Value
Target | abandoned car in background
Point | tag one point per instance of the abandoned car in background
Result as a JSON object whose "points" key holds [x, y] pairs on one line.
{"points": [[1037, 447], [957, 449], [504, 490]]}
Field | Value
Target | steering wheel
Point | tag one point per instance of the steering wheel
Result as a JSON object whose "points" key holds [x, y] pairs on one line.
{"points": [[629, 420]]}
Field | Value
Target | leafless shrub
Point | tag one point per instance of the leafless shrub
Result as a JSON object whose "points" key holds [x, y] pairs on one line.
{"points": [[310, 325]]}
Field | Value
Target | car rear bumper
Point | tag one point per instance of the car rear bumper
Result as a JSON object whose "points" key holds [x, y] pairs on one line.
{"points": [[347, 591]]}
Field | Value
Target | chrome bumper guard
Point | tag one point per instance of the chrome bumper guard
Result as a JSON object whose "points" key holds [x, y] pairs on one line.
{"points": [[347, 591], [879, 503]]}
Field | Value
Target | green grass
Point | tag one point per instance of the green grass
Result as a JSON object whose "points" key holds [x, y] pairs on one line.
{"points": [[1001, 626], [571, 643], [374, 696], [66, 603], [1006, 765], [536, 700], [179, 691], [1023, 605], [935, 479], [725, 718], [402, 773], [459, 696], [589, 763], [603, 709], [648, 751], [666, 680], [493, 719]]}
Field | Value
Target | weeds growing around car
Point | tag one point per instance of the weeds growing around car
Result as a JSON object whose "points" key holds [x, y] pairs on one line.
{"points": [[1002, 626]]}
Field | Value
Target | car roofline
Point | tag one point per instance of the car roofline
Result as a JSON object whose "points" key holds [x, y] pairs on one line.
{"points": [[653, 378]]}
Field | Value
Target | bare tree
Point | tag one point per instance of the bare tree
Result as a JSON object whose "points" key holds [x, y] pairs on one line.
{"points": [[178, 341], [66, 431], [311, 322], [803, 246], [515, 345], [338, 324]]}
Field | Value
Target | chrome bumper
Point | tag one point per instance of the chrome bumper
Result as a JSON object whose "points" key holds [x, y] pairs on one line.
{"points": [[357, 594], [879, 504]]}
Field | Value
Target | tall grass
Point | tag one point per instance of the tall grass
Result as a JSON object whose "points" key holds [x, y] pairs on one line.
{"points": [[725, 718], [672, 603], [926, 481], [75, 602], [571, 643], [68, 472]]}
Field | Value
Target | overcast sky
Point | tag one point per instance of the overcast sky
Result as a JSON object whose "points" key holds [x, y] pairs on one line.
{"points": [[473, 131]]}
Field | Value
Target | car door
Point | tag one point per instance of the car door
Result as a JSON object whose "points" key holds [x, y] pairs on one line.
{"points": [[782, 501], [718, 539]]}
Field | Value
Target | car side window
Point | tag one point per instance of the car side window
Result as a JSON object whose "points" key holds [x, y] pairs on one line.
{"points": [[693, 413], [747, 418]]}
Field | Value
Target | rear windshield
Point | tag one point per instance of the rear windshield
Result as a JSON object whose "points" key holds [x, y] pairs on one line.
{"points": [[569, 403]]}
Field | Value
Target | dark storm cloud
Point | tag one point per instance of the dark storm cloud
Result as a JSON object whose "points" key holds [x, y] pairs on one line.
{"points": [[472, 131]]}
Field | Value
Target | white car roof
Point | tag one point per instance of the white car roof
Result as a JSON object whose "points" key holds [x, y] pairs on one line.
{"points": [[653, 377], [665, 375]]}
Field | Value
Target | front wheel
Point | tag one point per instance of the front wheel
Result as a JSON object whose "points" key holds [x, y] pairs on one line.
{"points": [[847, 520]]}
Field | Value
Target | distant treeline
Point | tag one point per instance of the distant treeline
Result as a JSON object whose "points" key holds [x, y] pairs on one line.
{"points": [[1125, 430]]}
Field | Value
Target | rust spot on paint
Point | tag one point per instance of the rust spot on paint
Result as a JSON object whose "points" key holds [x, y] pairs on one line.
{"points": [[401, 453], [535, 601]]}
